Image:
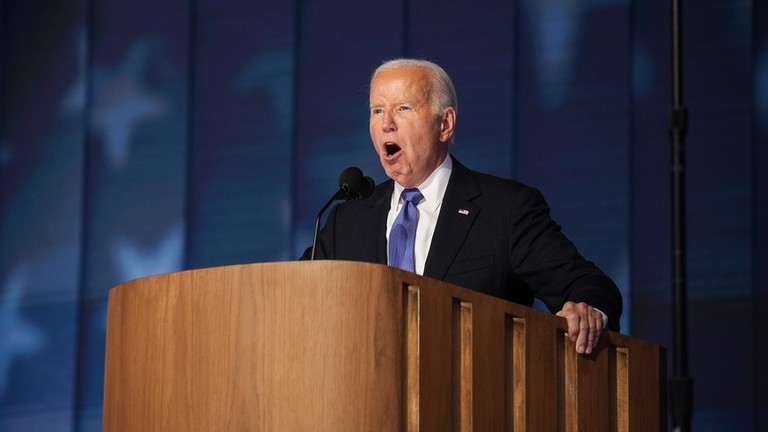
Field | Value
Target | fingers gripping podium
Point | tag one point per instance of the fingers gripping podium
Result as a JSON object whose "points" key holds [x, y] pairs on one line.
{"points": [[344, 346]]}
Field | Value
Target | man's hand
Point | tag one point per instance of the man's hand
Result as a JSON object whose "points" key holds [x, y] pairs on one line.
{"points": [[585, 324]]}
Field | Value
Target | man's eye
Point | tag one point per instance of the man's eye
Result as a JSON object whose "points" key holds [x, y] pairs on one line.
{"points": [[405, 108], [376, 111]]}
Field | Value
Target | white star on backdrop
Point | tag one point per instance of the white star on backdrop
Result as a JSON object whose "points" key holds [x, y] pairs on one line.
{"points": [[120, 100], [133, 260]]}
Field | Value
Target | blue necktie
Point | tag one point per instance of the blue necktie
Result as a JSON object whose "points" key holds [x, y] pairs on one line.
{"points": [[402, 236]]}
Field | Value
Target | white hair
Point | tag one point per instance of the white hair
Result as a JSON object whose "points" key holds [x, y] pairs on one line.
{"points": [[443, 93]]}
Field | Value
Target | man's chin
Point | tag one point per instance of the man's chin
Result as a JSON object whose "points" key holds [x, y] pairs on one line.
{"points": [[403, 180], [393, 173]]}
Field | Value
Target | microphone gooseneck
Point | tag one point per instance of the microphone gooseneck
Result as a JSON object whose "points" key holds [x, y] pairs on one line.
{"points": [[352, 186]]}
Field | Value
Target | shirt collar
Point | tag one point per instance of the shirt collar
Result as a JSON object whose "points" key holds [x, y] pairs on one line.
{"points": [[433, 188]]}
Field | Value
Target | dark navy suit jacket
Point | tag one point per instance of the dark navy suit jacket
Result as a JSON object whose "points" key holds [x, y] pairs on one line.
{"points": [[493, 235]]}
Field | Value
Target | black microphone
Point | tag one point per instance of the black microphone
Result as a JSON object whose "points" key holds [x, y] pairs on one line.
{"points": [[352, 186], [350, 181]]}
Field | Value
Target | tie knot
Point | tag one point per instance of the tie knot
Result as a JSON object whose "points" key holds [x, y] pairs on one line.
{"points": [[412, 195]]}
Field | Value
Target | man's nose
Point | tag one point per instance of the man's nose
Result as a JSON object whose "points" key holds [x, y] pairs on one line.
{"points": [[388, 122]]}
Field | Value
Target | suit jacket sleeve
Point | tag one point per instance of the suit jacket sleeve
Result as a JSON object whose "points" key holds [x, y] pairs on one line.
{"points": [[551, 265], [497, 236]]}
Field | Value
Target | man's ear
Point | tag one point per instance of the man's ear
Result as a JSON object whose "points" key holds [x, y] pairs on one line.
{"points": [[447, 124]]}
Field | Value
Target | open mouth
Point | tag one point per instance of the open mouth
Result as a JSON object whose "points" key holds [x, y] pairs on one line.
{"points": [[391, 149]]}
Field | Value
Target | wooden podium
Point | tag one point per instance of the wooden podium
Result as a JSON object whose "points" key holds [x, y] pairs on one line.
{"points": [[343, 346]]}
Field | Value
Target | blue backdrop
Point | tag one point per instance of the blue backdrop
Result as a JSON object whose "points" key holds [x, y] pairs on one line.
{"points": [[140, 137]]}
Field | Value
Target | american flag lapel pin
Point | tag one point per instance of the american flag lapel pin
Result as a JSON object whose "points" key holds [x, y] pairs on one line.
{"points": [[464, 212]]}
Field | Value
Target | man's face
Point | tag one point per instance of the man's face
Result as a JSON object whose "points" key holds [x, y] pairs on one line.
{"points": [[409, 136]]}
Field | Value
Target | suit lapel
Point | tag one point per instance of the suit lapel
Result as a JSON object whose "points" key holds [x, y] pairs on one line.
{"points": [[457, 214]]}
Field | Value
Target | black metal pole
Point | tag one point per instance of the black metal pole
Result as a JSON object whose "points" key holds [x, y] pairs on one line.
{"points": [[681, 384]]}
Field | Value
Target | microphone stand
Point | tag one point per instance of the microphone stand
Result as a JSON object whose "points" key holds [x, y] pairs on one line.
{"points": [[340, 194], [681, 384], [353, 185]]}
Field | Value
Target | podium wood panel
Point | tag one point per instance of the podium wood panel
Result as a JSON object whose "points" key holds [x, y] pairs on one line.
{"points": [[342, 346]]}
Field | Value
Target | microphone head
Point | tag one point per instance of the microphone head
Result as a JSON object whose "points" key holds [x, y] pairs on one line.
{"points": [[353, 186], [367, 187], [351, 178], [350, 181]]}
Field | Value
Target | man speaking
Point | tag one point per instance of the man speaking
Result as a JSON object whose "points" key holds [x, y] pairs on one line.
{"points": [[437, 218]]}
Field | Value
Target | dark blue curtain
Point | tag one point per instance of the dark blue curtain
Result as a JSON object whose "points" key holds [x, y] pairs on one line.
{"points": [[140, 137]]}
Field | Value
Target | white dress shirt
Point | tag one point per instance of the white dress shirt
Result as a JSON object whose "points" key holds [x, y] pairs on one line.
{"points": [[433, 190]]}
